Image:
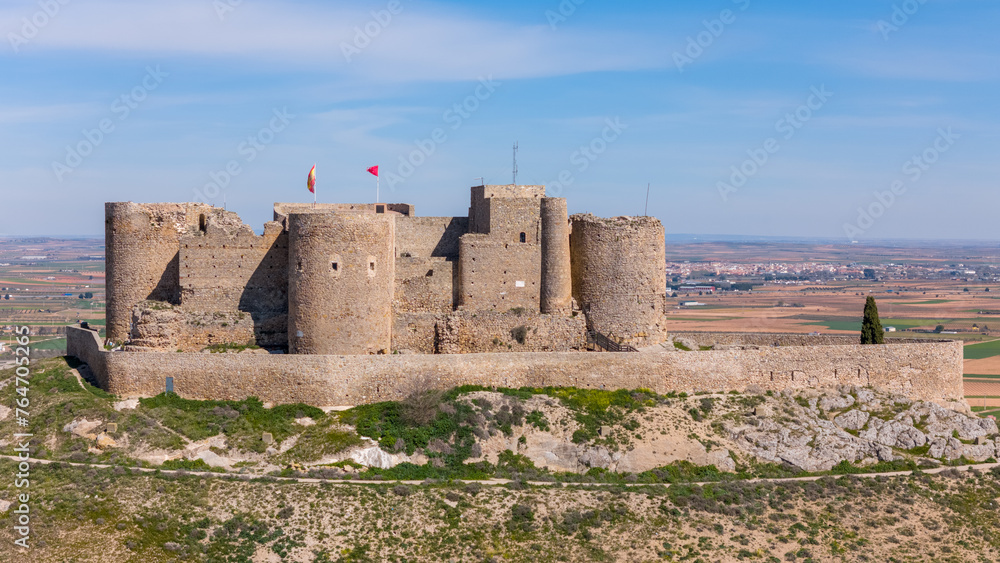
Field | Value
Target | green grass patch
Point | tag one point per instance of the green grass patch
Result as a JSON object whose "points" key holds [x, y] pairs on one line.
{"points": [[55, 344], [982, 350], [681, 346], [594, 408], [242, 422], [190, 465], [831, 324], [230, 347], [321, 440], [847, 468], [854, 324], [387, 424]]}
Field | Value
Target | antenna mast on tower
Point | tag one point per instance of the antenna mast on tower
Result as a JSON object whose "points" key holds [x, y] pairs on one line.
{"points": [[515, 163]]}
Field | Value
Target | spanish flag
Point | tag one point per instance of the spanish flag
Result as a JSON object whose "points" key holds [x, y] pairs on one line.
{"points": [[311, 180]]}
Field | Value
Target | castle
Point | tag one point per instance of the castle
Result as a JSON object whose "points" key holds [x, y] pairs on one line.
{"points": [[510, 296], [517, 274]]}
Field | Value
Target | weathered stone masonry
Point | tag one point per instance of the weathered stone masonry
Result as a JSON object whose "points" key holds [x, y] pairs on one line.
{"points": [[926, 371], [375, 279], [342, 286]]}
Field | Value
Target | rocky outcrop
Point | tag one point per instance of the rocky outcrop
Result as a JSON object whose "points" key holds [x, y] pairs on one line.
{"points": [[869, 427]]}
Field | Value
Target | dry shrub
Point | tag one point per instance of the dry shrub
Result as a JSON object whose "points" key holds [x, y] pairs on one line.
{"points": [[421, 401]]}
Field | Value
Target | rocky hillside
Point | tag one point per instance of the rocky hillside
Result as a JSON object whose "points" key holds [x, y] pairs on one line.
{"points": [[551, 474], [551, 433]]}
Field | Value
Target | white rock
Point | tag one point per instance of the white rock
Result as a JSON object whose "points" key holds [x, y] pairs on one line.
{"points": [[4, 505], [83, 427], [852, 420], [836, 403], [305, 421], [127, 404], [721, 460], [980, 452], [4, 412], [212, 459], [373, 456], [864, 395]]}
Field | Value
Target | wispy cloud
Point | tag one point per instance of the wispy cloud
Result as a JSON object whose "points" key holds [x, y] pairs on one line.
{"points": [[14, 114], [419, 43]]}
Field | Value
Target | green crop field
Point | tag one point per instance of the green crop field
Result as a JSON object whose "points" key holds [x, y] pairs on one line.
{"points": [[839, 324], [928, 302], [56, 344], [983, 350], [848, 323]]}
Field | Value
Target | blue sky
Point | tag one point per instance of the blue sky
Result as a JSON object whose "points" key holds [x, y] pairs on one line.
{"points": [[862, 119]]}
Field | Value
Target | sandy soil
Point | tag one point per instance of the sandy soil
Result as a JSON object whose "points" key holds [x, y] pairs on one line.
{"points": [[986, 366], [758, 311], [980, 388]]}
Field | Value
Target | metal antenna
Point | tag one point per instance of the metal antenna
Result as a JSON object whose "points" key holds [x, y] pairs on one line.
{"points": [[515, 163], [645, 212]]}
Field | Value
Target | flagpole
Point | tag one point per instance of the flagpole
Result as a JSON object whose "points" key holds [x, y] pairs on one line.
{"points": [[314, 189], [377, 181]]}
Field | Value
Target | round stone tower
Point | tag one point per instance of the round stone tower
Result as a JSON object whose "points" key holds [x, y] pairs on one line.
{"points": [[619, 276], [142, 242], [340, 283], [556, 289]]}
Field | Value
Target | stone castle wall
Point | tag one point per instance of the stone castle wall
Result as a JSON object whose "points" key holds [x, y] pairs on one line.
{"points": [[283, 210], [424, 285], [159, 326], [483, 198], [142, 243], [925, 371], [415, 333], [619, 276], [340, 291], [233, 269], [498, 276], [465, 332], [427, 237], [500, 261]]}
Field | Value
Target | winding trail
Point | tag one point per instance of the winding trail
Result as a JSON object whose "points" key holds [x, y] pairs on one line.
{"points": [[251, 476]]}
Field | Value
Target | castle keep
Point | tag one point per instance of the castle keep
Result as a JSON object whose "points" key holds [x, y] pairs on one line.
{"points": [[517, 275]]}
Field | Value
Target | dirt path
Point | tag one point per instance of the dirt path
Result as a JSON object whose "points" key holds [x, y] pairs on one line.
{"points": [[251, 476]]}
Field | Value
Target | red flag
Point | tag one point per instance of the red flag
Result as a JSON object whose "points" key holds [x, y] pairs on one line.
{"points": [[311, 180], [373, 170]]}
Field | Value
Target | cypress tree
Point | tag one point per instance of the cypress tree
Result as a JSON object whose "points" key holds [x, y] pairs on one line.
{"points": [[871, 326]]}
